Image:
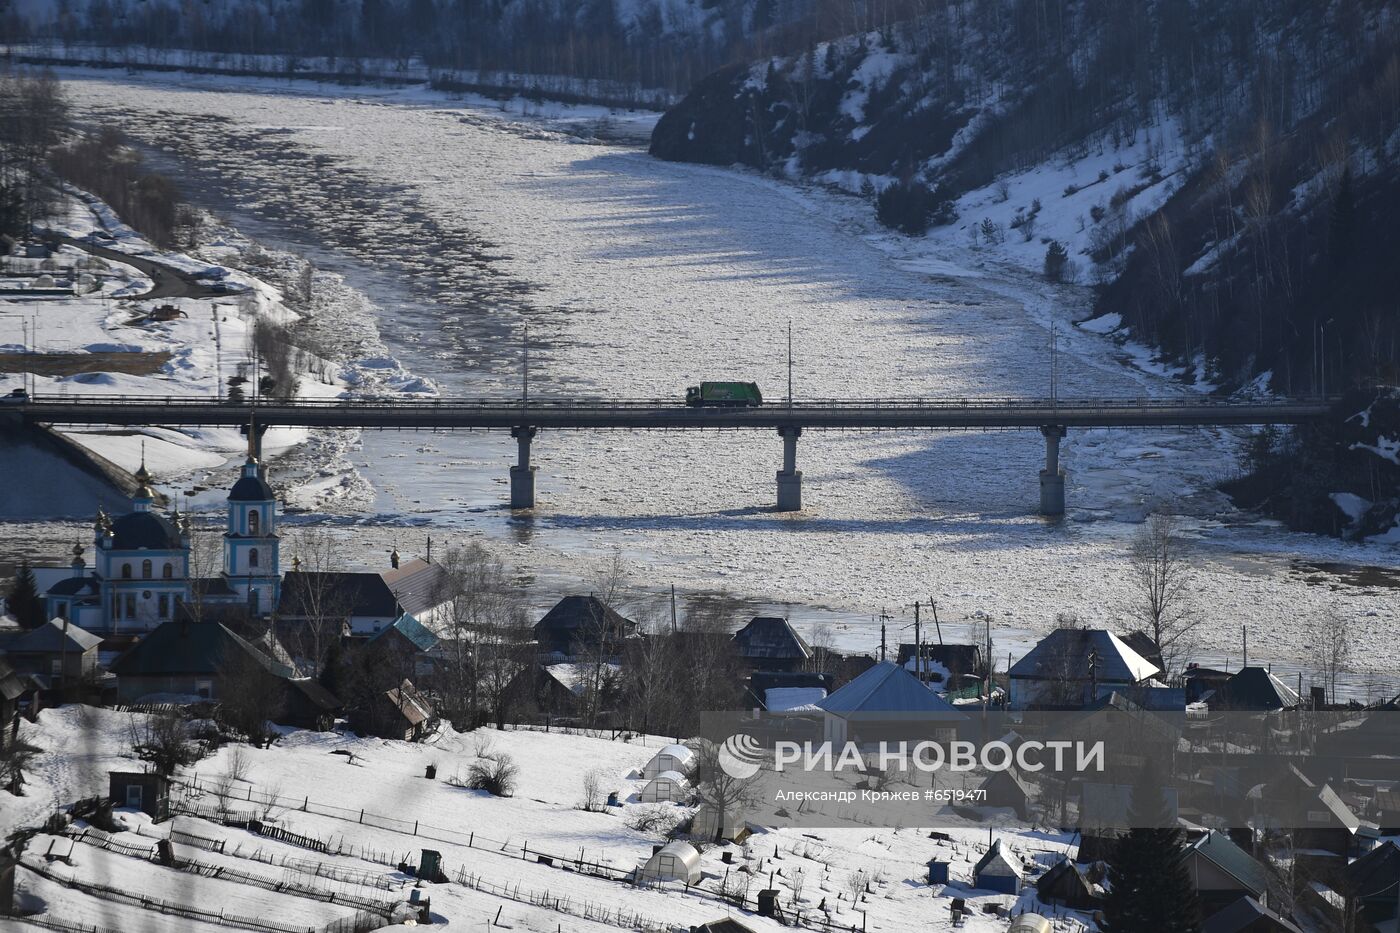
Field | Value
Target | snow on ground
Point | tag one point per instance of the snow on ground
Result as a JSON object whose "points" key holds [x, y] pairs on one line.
{"points": [[478, 834], [638, 277]]}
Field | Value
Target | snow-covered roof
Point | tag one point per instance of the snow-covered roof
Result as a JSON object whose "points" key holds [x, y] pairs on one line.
{"points": [[883, 690], [577, 677], [674, 776], [683, 852], [783, 699], [996, 863]]}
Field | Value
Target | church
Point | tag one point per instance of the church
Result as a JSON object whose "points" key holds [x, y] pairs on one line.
{"points": [[143, 570]]}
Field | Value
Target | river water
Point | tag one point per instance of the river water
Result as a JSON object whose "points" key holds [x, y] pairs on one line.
{"points": [[464, 225]]}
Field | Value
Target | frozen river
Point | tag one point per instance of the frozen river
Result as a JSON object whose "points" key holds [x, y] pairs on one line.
{"points": [[465, 224]]}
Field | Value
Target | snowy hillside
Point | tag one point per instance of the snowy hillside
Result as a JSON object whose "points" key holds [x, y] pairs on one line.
{"points": [[538, 858]]}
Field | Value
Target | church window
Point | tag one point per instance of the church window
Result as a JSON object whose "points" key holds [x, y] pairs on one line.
{"points": [[253, 521], [126, 571], [164, 605], [168, 571], [253, 557], [146, 569], [130, 608]]}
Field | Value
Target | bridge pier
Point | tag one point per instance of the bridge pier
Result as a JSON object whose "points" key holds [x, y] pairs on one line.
{"points": [[790, 477], [522, 475], [258, 430], [1052, 478]]}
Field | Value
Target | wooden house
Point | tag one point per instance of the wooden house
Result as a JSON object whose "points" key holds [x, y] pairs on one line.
{"points": [[770, 643], [399, 713], [57, 651], [1071, 668], [583, 624], [1247, 915], [192, 659], [1066, 884], [1222, 873]]}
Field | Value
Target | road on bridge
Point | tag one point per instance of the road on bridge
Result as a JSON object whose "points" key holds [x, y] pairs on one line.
{"points": [[660, 414]]}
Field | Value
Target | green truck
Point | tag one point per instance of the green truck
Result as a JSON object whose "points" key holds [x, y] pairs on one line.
{"points": [[724, 395]]}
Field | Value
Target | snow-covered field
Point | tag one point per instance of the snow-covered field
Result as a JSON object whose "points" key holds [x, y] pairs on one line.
{"points": [[387, 779], [637, 278]]}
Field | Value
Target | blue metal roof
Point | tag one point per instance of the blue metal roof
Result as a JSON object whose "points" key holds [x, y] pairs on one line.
{"points": [[886, 688], [413, 630]]}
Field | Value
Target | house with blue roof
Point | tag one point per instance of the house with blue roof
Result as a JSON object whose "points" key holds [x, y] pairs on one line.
{"points": [[886, 703], [403, 645]]}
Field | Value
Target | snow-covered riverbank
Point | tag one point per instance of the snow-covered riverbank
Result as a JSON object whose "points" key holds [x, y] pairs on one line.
{"points": [[636, 277]]}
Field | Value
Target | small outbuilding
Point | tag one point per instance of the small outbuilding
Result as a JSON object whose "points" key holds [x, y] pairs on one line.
{"points": [[997, 871], [886, 702], [770, 643], [140, 790], [666, 787], [669, 758], [1066, 885], [675, 861]]}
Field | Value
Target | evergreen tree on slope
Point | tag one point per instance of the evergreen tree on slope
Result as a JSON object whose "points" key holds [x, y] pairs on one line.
{"points": [[1150, 889]]}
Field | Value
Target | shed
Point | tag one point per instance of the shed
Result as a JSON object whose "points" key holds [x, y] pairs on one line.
{"points": [[666, 787], [938, 871], [1066, 885], [675, 861], [140, 790], [1009, 788], [668, 758], [997, 871]]}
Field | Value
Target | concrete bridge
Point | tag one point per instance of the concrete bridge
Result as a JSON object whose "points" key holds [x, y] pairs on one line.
{"points": [[524, 418]]}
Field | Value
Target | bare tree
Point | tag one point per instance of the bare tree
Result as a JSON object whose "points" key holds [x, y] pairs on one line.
{"points": [[319, 605], [595, 791], [250, 697], [163, 739], [718, 789], [487, 644], [1161, 586], [1332, 647]]}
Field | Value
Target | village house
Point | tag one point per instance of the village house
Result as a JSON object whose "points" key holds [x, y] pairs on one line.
{"points": [[398, 713], [1247, 915], [1222, 873], [1372, 884], [886, 702], [58, 652], [1072, 667], [359, 601], [1254, 689], [770, 643], [421, 588], [583, 625], [188, 659]]}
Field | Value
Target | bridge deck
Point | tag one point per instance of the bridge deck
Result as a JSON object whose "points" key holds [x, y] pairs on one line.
{"points": [[661, 414]]}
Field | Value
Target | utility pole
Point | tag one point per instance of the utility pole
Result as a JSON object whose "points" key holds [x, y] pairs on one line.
{"points": [[673, 609], [918, 645], [883, 617], [789, 400], [1244, 643], [938, 628]]}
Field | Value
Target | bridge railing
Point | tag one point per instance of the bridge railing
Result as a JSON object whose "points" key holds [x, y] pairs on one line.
{"points": [[549, 403]]}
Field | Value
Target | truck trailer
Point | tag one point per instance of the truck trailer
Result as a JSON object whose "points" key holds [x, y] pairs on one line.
{"points": [[724, 395]]}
